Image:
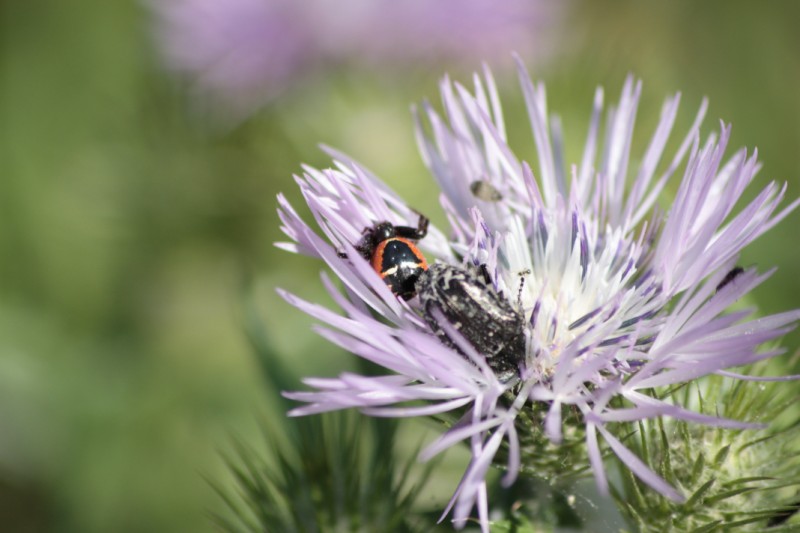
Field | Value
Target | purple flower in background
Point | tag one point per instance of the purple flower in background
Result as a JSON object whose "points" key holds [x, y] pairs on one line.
{"points": [[237, 53], [416, 32], [240, 54], [616, 298]]}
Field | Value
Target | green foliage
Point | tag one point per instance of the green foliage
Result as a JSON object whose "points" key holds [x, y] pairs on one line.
{"points": [[339, 473], [743, 480], [534, 505]]}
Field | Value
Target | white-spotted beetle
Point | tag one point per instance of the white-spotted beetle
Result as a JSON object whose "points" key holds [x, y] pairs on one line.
{"points": [[468, 301]]}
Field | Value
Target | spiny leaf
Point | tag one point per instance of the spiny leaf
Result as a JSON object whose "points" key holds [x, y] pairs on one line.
{"points": [[666, 465], [707, 528], [725, 495], [331, 479], [792, 483], [699, 493], [722, 454], [697, 468], [756, 441], [747, 480]]}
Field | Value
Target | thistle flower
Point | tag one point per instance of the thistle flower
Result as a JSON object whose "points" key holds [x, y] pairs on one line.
{"points": [[617, 299]]}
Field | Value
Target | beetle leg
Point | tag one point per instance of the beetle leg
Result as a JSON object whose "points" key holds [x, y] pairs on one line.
{"points": [[422, 226], [522, 278]]}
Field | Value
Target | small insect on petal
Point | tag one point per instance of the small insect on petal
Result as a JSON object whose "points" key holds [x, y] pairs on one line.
{"points": [[730, 276], [484, 190]]}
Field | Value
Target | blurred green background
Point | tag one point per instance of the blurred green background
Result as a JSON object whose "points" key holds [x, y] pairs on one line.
{"points": [[135, 227]]}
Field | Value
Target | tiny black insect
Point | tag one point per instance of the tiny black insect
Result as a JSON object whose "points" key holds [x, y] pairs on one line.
{"points": [[467, 300], [393, 253], [730, 276]]}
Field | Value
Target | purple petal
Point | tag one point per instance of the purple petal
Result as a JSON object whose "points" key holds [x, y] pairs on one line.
{"points": [[641, 470]]}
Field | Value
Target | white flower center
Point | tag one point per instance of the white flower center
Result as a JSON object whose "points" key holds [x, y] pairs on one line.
{"points": [[571, 286]]}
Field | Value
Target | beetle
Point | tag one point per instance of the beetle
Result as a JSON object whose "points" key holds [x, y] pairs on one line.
{"points": [[466, 298], [392, 251]]}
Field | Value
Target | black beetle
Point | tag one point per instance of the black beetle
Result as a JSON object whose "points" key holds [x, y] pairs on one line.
{"points": [[468, 301]]}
